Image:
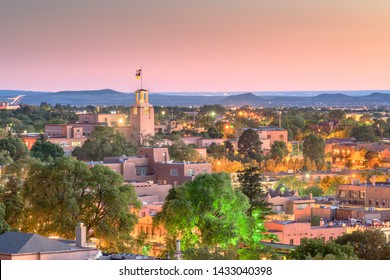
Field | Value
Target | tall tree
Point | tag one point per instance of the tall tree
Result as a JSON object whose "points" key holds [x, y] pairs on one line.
{"points": [[15, 147], [45, 150], [252, 187], [364, 133], [249, 145], [104, 142], [4, 226], [314, 147], [206, 212], [278, 151], [62, 193]]}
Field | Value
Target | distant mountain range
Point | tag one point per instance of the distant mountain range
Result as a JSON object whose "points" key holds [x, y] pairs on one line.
{"points": [[112, 97]]}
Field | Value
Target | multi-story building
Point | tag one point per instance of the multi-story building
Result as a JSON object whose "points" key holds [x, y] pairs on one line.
{"points": [[291, 232], [154, 164], [67, 136], [374, 194]]}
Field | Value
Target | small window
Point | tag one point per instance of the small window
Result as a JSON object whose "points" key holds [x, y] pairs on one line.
{"points": [[174, 172], [292, 241]]}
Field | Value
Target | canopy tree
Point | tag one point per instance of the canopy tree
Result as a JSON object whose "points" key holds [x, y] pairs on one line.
{"points": [[317, 249], [105, 142], [45, 150], [206, 212], [367, 245], [249, 146], [62, 193]]}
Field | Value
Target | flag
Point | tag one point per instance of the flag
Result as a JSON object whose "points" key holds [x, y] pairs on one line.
{"points": [[138, 74]]}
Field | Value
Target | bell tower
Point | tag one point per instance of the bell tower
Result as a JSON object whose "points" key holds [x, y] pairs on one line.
{"points": [[142, 114]]}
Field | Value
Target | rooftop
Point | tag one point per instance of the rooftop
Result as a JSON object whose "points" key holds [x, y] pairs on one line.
{"points": [[19, 243]]}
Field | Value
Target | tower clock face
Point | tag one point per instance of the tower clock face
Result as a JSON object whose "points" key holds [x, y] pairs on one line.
{"points": [[147, 110]]}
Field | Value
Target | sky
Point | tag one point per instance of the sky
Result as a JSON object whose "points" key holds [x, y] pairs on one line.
{"points": [[195, 45]]}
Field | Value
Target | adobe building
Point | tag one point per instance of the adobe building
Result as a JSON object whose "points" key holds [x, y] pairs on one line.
{"points": [[288, 203], [374, 194], [67, 136], [292, 232], [154, 165], [142, 115]]}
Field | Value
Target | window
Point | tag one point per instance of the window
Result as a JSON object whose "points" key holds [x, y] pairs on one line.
{"points": [[301, 206], [362, 194], [292, 241], [370, 202], [353, 194], [174, 172], [268, 136], [191, 172], [135, 111], [342, 193], [204, 170], [147, 110], [281, 137], [140, 171]]}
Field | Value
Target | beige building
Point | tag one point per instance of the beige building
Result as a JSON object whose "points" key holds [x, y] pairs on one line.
{"points": [[154, 165]]}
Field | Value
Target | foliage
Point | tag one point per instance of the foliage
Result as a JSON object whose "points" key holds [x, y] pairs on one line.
{"points": [[15, 147], [216, 151], [293, 183], [206, 212], [329, 184], [211, 253], [62, 193], [11, 191], [315, 220], [45, 150], [179, 151], [249, 145], [314, 190], [313, 147], [224, 165], [252, 186], [4, 226], [367, 245], [278, 151], [104, 142], [364, 133], [317, 249]]}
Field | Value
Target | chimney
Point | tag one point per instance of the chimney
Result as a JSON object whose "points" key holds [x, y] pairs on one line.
{"points": [[177, 253], [81, 235], [373, 180]]}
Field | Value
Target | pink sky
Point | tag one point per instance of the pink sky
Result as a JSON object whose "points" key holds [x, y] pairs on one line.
{"points": [[199, 45]]}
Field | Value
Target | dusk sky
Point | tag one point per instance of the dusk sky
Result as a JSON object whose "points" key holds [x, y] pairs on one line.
{"points": [[197, 45]]}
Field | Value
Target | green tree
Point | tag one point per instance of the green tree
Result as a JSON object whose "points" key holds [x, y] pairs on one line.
{"points": [[4, 226], [12, 177], [364, 133], [367, 245], [316, 249], [179, 151], [15, 147], [314, 147], [251, 185], [206, 212], [278, 151], [104, 142], [45, 150], [249, 145], [62, 193]]}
